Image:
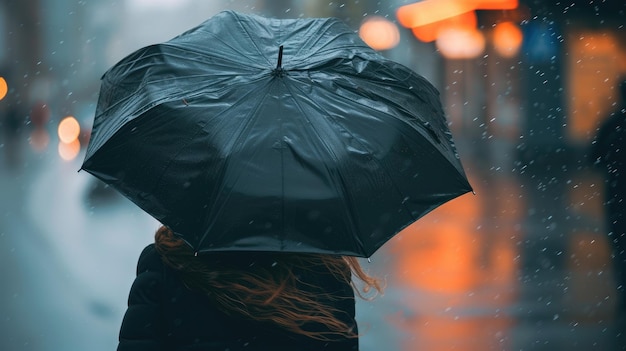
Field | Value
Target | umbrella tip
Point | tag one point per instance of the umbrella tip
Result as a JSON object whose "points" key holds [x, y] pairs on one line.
{"points": [[279, 71], [280, 57]]}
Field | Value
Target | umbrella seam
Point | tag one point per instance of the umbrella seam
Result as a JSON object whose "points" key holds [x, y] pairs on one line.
{"points": [[235, 142], [423, 130], [391, 179], [245, 30], [341, 179]]}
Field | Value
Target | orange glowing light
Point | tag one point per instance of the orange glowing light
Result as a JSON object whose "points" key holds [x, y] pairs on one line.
{"points": [[69, 151], [429, 32], [460, 43], [69, 130], [430, 11], [379, 33], [495, 4], [4, 88], [507, 39]]}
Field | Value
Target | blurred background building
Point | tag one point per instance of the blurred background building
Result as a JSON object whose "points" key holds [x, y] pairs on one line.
{"points": [[524, 67], [523, 265]]}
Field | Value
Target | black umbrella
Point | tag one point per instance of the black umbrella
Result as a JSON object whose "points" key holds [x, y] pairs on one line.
{"points": [[248, 133]]}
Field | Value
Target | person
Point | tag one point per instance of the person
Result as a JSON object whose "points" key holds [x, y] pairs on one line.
{"points": [[241, 300], [608, 152]]}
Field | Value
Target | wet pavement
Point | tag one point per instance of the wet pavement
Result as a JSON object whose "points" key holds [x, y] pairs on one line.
{"points": [[522, 265]]}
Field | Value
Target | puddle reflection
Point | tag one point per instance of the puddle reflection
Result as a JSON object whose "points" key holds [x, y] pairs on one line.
{"points": [[466, 284]]}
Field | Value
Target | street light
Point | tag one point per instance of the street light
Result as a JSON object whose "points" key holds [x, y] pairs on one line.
{"points": [[69, 129], [452, 24], [507, 39], [457, 43], [430, 11], [429, 32], [4, 88], [379, 33], [69, 145]]}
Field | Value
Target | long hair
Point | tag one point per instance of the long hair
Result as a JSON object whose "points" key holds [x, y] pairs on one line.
{"points": [[263, 286]]}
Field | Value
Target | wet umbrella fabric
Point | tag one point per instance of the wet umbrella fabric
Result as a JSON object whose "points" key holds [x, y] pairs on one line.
{"points": [[235, 143]]}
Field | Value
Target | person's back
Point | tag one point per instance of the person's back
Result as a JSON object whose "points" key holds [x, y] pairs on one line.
{"points": [[306, 303]]}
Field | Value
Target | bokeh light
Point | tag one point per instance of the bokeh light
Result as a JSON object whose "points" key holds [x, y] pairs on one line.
{"points": [[494, 4], [429, 32], [4, 88], [69, 151], [379, 33], [507, 39], [69, 130], [431, 11], [458, 43]]}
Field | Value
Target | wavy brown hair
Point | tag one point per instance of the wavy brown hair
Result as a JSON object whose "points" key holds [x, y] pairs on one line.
{"points": [[264, 287]]}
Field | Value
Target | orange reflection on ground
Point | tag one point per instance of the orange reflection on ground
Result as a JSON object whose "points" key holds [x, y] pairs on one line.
{"points": [[448, 332], [590, 294], [438, 253], [591, 290], [459, 266]]}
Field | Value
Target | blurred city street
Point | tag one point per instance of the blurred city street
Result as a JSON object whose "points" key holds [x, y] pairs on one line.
{"points": [[481, 273], [523, 264]]}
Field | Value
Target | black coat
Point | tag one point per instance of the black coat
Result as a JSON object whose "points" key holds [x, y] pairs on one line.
{"points": [[163, 314]]}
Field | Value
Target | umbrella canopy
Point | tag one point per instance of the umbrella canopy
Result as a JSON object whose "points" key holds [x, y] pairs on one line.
{"points": [[249, 133]]}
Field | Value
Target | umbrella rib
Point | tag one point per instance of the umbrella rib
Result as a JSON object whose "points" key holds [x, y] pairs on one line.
{"points": [[316, 37], [339, 182], [158, 182], [236, 140], [245, 30], [174, 96], [422, 130], [395, 186], [209, 53], [320, 50]]}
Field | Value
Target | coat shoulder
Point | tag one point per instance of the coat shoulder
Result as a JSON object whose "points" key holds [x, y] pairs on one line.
{"points": [[149, 260]]}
